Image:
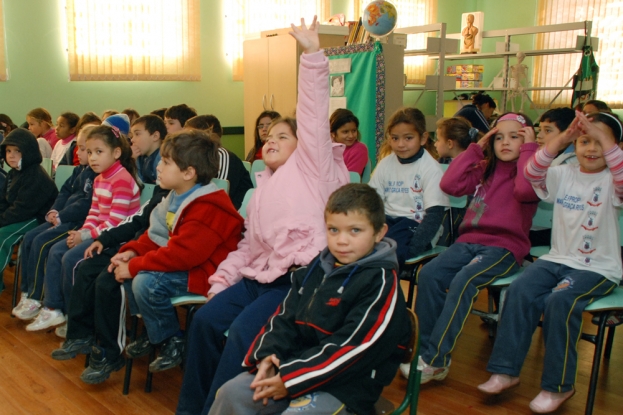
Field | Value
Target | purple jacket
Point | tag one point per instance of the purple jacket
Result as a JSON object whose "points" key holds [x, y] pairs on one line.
{"points": [[285, 217]]}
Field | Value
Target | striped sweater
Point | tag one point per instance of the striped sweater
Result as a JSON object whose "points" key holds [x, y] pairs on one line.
{"points": [[115, 196]]}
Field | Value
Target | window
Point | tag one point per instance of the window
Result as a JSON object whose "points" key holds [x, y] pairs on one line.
{"points": [[3, 73], [138, 40], [412, 13], [244, 17], [607, 18]]}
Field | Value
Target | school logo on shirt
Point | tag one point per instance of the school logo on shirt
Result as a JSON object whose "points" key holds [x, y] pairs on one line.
{"points": [[589, 225], [587, 245], [563, 285], [418, 212], [595, 201], [88, 185], [417, 184], [333, 302]]}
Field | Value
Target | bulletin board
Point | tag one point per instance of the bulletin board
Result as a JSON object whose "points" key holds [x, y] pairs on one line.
{"points": [[361, 70]]}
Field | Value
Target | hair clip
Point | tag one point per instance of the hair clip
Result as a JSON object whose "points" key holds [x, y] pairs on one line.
{"points": [[473, 133], [115, 131]]}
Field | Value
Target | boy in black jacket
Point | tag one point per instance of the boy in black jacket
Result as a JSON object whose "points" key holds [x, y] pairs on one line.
{"points": [[339, 336], [27, 193], [68, 213]]}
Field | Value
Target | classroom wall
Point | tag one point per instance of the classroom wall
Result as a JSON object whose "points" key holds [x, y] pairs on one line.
{"points": [[38, 71]]}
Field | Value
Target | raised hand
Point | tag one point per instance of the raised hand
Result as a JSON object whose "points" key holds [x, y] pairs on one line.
{"points": [[484, 141], [307, 36], [603, 135], [528, 134]]}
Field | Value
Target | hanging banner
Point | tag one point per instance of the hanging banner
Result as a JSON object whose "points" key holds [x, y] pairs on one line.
{"points": [[585, 79]]}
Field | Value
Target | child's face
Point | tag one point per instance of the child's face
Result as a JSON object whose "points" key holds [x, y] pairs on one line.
{"points": [[145, 142], [262, 127], [443, 145], [63, 130], [13, 156], [589, 152], [346, 134], [280, 145], [171, 177], [547, 130], [100, 155], [82, 150], [37, 127], [405, 141], [351, 237], [507, 140], [173, 125]]}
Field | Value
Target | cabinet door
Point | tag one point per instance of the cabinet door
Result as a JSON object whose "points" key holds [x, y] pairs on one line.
{"points": [[283, 58], [256, 97]]}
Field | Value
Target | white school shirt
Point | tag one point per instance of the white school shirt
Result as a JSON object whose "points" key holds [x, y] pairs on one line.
{"points": [[408, 190], [585, 233]]}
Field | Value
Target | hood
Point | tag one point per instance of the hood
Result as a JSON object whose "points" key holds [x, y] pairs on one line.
{"points": [[27, 144], [384, 255]]}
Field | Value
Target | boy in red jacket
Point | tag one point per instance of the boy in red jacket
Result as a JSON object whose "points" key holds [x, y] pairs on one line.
{"points": [[190, 232]]}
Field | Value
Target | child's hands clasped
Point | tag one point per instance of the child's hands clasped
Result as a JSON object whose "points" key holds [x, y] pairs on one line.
{"points": [[95, 246], [74, 239], [267, 382], [307, 36]]}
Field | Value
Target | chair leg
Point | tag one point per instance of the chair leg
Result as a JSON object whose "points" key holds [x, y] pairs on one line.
{"points": [[18, 269], [599, 344], [609, 342], [129, 361], [151, 358]]}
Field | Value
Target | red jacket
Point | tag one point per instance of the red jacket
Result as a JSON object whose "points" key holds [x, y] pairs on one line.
{"points": [[205, 231]]}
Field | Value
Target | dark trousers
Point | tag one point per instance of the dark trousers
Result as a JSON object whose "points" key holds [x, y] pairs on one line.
{"points": [[243, 309], [401, 230], [97, 305], [560, 294], [447, 289]]}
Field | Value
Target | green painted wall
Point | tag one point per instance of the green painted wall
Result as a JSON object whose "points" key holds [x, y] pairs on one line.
{"points": [[38, 71]]}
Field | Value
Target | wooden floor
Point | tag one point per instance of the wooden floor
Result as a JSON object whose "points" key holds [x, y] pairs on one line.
{"points": [[31, 382]]}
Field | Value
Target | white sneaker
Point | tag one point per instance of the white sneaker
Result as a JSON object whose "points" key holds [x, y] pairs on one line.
{"points": [[29, 310], [22, 301], [428, 372], [61, 331], [46, 318]]}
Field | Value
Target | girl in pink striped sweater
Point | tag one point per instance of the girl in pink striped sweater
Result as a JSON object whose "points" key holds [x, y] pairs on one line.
{"points": [[115, 196]]}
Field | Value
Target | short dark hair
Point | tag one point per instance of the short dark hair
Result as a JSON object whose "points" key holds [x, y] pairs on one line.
{"points": [[193, 148], [361, 198], [481, 99], [131, 113], [71, 118], [340, 117], [205, 122], [88, 118], [612, 121], [600, 105], [562, 117], [152, 124], [181, 113], [159, 112]]}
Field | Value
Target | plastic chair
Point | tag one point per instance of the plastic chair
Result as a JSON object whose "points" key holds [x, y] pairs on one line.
{"points": [[62, 174], [221, 184], [247, 166], [354, 177], [543, 219], [257, 166], [367, 171], [46, 163], [245, 203], [147, 193], [190, 302]]}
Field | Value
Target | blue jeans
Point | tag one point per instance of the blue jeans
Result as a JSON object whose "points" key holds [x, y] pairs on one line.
{"points": [[35, 249], [243, 309], [560, 294], [152, 292], [59, 273], [462, 270]]}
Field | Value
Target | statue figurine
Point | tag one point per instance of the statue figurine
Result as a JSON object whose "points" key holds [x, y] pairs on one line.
{"points": [[519, 73], [469, 35]]}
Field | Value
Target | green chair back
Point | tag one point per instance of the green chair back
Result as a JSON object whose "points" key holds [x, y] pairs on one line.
{"points": [[367, 171], [147, 193], [62, 174], [245, 203], [247, 166], [354, 177], [257, 166], [46, 163], [221, 184]]}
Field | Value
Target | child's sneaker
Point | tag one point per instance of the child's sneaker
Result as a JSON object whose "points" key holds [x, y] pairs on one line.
{"points": [[22, 301], [61, 331], [29, 310], [47, 318], [101, 366], [430, 372]]}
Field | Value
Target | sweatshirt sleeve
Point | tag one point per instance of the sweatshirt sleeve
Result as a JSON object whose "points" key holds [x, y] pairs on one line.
{"points": [[614, 160], [523, 190], [78, 210], [227, 273], [464, 173], [120, 208], [357, 158], [31, 198], [367, 321]]}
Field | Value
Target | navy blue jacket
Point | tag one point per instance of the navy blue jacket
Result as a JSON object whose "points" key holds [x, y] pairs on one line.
{"points": [[74, 200]]}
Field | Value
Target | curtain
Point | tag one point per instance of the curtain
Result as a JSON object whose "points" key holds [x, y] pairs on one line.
{"points": [[412, 13], [138, 40], [556, 70], [3, 73], [245, 17]]}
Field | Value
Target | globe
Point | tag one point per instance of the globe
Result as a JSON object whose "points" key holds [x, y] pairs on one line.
{"points": [[379, 18]]}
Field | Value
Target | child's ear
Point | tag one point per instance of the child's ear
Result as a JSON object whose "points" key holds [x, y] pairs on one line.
{"points": [[332, 136], [190, 173], [72, 130], [156, 134], [117, 153], [450, 144], [424, 138], [381, 233]]}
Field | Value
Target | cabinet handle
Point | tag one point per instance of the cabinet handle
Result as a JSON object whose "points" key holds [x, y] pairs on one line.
{"points": [[272, 108], [264, 102]]}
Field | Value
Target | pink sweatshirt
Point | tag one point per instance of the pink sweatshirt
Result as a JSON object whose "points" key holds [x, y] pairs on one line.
{"points": [[500, 213], [356, 157], [50, 137], [285, 217], [115, 197]]}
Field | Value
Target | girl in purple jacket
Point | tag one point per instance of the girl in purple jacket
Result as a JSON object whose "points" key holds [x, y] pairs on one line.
{"points": [[284, 229], [493, 236]]}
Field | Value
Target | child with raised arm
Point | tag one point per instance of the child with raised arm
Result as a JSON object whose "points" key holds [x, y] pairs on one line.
{"points": [[340, 334], [583, 264], [492, 242], [284, 229]]}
